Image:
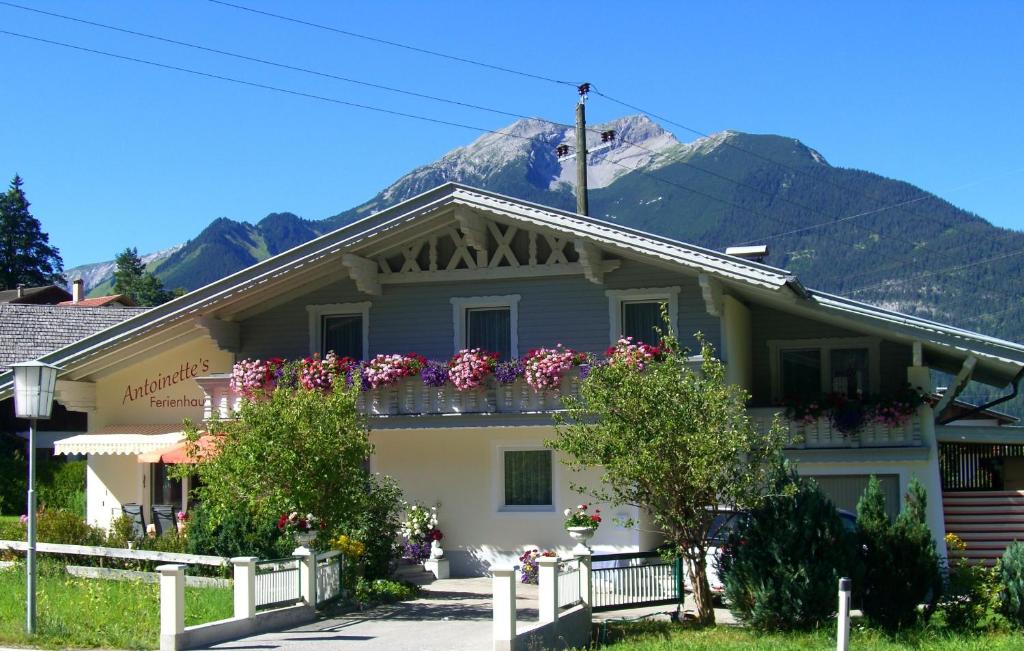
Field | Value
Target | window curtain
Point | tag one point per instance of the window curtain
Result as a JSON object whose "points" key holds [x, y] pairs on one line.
{"points": [[344, 335], [639, 321], [491, 330], [528, 478]]}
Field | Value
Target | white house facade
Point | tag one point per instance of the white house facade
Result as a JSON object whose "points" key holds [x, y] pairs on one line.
{"points": [[457, 268]]}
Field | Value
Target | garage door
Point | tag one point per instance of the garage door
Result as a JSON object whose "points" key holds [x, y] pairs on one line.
{"points": [[845, 490]]}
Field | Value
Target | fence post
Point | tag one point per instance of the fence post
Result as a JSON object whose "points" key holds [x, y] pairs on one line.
{"points": [[679, 578], [586, 580], [843, 628], [245, 586], [547, 588], [172, 605], [504, 608], [307, 574]]}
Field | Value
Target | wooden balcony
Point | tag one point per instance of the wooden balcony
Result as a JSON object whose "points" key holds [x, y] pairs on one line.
{"points": [[822, 434], [409, 397]]}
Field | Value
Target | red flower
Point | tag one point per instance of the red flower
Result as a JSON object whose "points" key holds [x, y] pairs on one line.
{"points": [[282, 521], [436, 534], [595, 518]]}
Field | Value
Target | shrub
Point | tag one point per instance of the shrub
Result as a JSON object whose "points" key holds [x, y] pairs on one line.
{"points": [[65, 489], [122, 530], [783, 562], [1011, 571], [238, 533], [383, 591], [900, 562], [376, 525], [66, 528]]}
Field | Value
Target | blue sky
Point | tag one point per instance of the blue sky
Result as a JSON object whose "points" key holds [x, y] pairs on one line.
{"points": [[118, 154]]}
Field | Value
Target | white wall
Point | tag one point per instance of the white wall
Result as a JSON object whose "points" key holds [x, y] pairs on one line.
{"points": [[461, 469], [112, 480]]}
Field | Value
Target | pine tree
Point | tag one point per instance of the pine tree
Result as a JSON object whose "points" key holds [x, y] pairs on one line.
{"points": [[26, 257], [132, 280]]}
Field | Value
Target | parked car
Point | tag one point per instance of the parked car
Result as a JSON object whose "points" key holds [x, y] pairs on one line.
{"points": [[725, 523]]}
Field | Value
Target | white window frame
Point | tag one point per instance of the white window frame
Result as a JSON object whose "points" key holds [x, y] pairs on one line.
{"points": [[499, 479], [616, 297], [316, 321], [462, 303], [825, 346]]}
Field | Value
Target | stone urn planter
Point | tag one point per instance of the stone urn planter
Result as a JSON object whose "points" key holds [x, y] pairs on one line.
{"points": [[303, 538], [581, 535]]}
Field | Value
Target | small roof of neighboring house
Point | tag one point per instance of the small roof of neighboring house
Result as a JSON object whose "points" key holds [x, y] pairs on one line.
{"points": [[355, 248], [45, 295], [961, 407], [113, 300], [30, 331]]}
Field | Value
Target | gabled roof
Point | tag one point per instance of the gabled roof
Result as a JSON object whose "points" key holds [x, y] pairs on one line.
{"points": [[100, 301], [999, 359], [30, 331], [44, 295]]}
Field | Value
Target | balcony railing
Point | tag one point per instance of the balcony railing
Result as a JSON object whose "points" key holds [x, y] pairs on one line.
{"points": [[409, 396], [820, 433]]}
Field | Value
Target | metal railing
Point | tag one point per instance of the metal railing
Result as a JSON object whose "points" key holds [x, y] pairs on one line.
{"points": [[569, 583], [277, 582], [635, 579], [329, 569]]}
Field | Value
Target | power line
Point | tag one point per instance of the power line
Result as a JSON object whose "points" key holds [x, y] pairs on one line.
{"points": [[267, 62], [396, 44]]}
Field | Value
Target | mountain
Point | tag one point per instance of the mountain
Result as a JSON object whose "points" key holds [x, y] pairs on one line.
{"points": [[726, 189], [99, 275]]}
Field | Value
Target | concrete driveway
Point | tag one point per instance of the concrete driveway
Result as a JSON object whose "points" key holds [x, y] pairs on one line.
{"points": [[451, 614]]}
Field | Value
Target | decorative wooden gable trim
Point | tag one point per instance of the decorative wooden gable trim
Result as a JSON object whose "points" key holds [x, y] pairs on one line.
{"points": [[477, 248]]}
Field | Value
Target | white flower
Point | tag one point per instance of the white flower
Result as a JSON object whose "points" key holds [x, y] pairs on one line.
{"points": [[567, 512], [582, 507]]}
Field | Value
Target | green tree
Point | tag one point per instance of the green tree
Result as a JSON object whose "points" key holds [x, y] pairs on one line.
{"points": [[132, 280], [900, 562], [783, 562], [26, 257], [674, 441], [294, 450]]}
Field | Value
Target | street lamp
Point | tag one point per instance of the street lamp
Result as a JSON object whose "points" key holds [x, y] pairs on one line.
{"points": [[33, 399]]}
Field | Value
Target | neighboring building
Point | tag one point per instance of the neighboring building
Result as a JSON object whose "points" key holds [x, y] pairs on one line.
{"points": [[29, 331], [46, 295], [458, 267]]}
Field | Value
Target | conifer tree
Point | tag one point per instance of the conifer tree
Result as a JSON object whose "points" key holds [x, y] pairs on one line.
{"points": [[26, 256], [132, 280]]}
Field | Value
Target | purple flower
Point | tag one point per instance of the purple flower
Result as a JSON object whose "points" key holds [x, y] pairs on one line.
{"points": [[416, 552], [507, 372], [434, 374], [584, 371]]}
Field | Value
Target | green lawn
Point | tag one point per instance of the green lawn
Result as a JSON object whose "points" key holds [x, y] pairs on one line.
{"points": [[663, 637], [96, 613]]}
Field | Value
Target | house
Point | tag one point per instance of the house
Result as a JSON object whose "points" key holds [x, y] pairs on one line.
{"points": [[54, 295], [459, 267]]}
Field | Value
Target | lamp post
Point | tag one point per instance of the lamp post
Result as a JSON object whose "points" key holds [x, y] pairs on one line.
{"points": [[33, 399]]}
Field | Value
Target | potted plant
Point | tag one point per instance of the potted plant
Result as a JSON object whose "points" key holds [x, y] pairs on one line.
{"points": [[303, 527], [581, 524]]}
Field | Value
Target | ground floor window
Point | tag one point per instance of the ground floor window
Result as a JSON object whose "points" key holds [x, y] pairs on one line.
{"points": [[166, 489], [527, 478], [845, 490]]}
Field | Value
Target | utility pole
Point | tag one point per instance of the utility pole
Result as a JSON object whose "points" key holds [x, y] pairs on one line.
{"points": [[562, 151], [582, 206]]}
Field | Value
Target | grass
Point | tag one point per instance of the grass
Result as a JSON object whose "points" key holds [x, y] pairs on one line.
{"points": [[75, 612], [662, 636]]}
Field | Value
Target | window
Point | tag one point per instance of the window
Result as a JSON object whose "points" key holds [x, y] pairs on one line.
{"points": [[527, 479], [341, 327], [166, 489], [810, 367], [490, 328], [487, 322], [641, 321], [635, 312]]}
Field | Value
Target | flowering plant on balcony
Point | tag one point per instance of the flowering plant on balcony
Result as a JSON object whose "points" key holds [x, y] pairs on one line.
{"points": [[316, 374], [434, 374], [254, 378], [529, 569], [385, 370], [508, 372], [894, 411], [469, 368], [580, 517], [634, 354], [544, 367]]}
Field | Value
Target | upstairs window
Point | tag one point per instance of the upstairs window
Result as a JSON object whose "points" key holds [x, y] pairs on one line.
{"points": [[641, 321], [341, 327], [487, 322], [342, 333], [806, 369]]}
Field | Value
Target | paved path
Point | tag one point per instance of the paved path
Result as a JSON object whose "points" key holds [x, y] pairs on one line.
{"points": [[452, 614]]}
